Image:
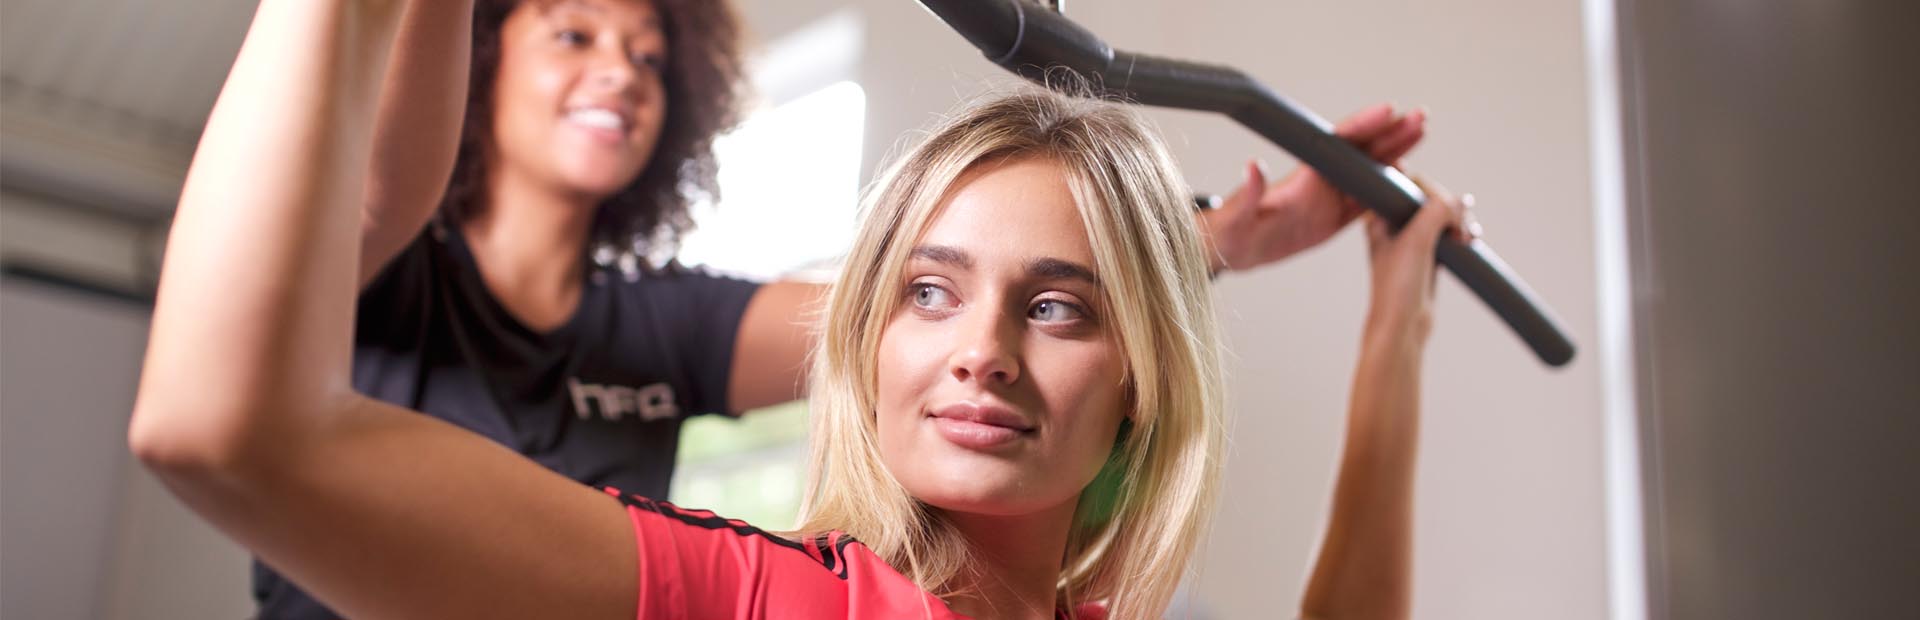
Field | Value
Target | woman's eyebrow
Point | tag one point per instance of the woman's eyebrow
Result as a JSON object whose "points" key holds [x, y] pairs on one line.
{"points": [[1044, 268], [1057, 269], [945, 255]]}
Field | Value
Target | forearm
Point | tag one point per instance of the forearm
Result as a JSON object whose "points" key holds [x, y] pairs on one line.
{"points": [[770, 352], [416, 131], [1203, 222], [255, 305], [390, 514], [1365, 564]]}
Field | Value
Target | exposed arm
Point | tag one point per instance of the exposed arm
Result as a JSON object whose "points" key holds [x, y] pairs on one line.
{"points": [[1261, 223], [1365, 567], [245, 408], [416, 131], [770, 352]]}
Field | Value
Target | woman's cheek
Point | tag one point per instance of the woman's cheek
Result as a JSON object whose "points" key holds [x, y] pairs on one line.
{"points": [[896, 369]]}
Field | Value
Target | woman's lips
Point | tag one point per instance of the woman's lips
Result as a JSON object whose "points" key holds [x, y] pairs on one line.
{"points": [[601, 135], [978, 427], [603, 124]]}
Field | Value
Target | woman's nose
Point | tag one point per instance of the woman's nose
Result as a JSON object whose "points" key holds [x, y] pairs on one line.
{"points": [[986, 350], [615, 72]]}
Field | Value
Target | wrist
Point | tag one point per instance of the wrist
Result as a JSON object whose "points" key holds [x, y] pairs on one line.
{"points": [[1203, 220], [1396, 332]]}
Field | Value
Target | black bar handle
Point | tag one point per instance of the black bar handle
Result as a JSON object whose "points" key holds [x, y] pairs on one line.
{"points": [[1032, 41]]}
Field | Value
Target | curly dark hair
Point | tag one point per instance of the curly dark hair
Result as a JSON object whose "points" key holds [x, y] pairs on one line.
{"points": [[702, 82]]}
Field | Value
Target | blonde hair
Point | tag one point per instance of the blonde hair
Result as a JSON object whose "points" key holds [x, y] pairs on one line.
{"points": [[1138, 522]]}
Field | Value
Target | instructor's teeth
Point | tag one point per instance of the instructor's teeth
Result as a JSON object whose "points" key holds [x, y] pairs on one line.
{"points": [[596, 118]]}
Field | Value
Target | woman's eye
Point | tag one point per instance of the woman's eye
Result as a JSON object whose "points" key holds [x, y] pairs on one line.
{"points": [[1054, 311], [570, 36], [930, 297], [655, 62]]}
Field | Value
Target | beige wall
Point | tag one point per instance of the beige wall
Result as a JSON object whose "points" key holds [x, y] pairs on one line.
{"points": [[88, 532], [1510, 521]]}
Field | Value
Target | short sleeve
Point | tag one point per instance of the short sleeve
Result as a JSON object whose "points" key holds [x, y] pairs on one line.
{"points": [[690, 565], [391, 322], [704, 311], [401, 286], [398, 294], [695, 564]]}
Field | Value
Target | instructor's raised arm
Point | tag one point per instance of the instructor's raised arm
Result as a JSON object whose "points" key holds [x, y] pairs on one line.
{"points": [[416, 130]]}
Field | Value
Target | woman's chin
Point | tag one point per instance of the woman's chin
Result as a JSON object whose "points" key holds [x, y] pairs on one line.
{"points": [[980, 505], [598, 174], [997, 493], [599, 182]]}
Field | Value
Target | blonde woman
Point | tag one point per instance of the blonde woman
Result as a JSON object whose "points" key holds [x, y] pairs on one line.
{"points": [[1017, 403]]}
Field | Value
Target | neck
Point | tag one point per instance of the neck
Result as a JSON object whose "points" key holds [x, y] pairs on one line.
{"points": [[1016, 563], [529, 243]]}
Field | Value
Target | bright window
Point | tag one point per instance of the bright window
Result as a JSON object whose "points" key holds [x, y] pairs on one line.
{"points": [[789, 186]]}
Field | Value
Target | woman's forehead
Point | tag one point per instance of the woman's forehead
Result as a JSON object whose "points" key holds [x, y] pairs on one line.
{"points": [[1019, 210], [638, 14]]}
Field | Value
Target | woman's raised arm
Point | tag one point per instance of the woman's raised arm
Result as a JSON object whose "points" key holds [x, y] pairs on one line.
{"points": [[245, 408], [1365, 568]]}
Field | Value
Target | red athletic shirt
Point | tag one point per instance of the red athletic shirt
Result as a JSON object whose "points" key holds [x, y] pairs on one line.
{"points": [[697, 565]]}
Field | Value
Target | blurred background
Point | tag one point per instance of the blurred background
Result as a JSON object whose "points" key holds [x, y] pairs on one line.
{"points": [[1712, 194]]}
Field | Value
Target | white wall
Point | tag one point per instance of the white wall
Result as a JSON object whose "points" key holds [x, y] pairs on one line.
{"points": [[170, 564], [1510, 521], [85, 532], [66, 363]]}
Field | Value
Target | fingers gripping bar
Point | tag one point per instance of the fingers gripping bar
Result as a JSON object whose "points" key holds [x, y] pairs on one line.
{"points": [[1031, 41]]}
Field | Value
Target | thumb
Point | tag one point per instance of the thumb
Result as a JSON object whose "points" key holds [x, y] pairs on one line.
{"points": [[1256, 179], [1379, 233], [1441, 211], [1244, 198]]}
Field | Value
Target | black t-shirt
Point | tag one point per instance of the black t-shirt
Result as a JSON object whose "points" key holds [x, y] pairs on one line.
{"points": [[599, 399]]}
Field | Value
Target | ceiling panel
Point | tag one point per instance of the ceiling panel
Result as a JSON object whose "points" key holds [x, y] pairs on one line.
{"points": [[96, 91]]}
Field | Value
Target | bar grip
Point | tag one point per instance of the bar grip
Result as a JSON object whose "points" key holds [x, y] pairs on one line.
{"points": [[1489, 277]]}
